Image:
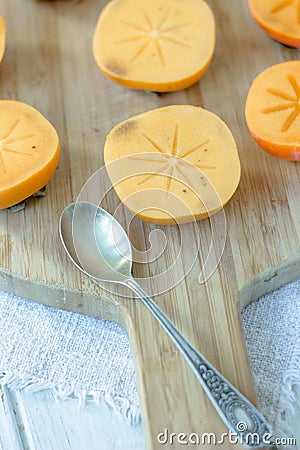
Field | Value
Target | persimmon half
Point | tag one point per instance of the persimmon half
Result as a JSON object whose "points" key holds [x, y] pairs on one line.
{"points": [[2, 38], [29, 152], [280, 19], [173, 164], [272, 110], [155, 45]]}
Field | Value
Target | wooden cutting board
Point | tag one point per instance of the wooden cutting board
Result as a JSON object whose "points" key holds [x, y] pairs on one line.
{"points": [[49, 64]]}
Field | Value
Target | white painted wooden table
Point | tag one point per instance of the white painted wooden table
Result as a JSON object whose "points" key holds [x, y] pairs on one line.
{"points": [[40, 422]]}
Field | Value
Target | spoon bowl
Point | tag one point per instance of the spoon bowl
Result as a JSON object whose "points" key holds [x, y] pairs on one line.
{"points": [[96, 242]]}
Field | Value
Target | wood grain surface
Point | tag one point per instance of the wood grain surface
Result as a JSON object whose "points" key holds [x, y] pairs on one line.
{"points": [[49, 64]]}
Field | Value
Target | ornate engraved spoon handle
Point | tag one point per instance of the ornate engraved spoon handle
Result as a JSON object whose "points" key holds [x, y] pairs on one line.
{"points": [[240, 416]]}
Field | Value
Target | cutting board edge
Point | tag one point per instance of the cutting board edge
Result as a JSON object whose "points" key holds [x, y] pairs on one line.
{"points": [[269, 280], [109, 308], [70, 300]]}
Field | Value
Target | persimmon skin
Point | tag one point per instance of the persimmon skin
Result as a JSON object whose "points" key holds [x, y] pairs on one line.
{"points": [[271, 28], [31, 185], [289, 152], [158, 87], [279, 37]]}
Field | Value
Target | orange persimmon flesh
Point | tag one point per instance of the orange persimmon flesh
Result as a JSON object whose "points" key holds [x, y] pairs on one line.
{"points": [[2, 38], [280, 19], [155, 45], [272, 110], [173, 164], [29, 151]]}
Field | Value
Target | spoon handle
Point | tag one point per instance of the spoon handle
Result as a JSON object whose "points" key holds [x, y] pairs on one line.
{"points": [[241, 417]]}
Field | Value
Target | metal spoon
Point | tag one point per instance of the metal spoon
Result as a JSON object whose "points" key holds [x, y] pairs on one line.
{"points": [[97, 244]]}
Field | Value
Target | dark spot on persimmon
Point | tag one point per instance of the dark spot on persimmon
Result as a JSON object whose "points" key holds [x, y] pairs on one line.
{"points": [[114, 67], [125, 128]]}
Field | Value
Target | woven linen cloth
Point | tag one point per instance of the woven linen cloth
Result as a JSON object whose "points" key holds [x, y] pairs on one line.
{"points": [[42, 347]]}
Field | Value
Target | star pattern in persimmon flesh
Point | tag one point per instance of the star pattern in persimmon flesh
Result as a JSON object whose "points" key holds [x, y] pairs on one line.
{"points": [[7, 144], [290, 101], [172, 160], [284, 4], [147, 35]]}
